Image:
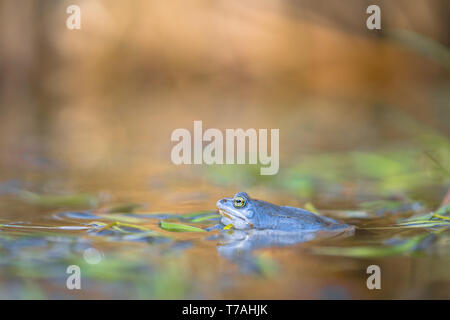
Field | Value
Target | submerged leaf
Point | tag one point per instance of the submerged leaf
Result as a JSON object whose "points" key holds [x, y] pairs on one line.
{"points": [[71, 200], [126, 227], [76, 215], [267, 266], [372, 251], [125, 208], [347, 214], [205, 218], [144, 236], [192, 214], [381, 205]]}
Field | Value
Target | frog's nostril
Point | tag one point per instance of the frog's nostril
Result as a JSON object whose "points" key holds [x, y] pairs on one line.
{"points": [[221, 202]]}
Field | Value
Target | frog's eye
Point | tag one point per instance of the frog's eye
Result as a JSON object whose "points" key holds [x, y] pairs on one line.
{"points": [[239, 202]]}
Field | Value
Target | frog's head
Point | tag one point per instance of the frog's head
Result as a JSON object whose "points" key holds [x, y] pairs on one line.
{"points": [[238, 211]]}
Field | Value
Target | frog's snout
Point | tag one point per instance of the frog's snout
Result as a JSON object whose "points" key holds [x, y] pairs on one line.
{"points": [[221, 202]]}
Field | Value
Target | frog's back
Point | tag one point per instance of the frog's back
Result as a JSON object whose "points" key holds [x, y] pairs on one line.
{"points": [[287, 218]]}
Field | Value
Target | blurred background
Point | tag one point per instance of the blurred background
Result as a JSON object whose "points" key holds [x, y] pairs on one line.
{"points": [[107, 97]]}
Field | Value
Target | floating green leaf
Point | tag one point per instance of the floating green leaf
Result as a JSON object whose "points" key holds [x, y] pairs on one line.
{"points": [[444, 210], [121, 218], [177, 227], [310, 207], [423, 224], [441, 217], [432, 219]]}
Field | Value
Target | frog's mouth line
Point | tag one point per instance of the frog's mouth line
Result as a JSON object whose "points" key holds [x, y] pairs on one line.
{"points": [[223, 213], [226, 215]]}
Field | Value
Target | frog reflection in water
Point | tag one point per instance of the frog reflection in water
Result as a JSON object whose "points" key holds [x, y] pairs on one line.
{"points": [[259, 224]]}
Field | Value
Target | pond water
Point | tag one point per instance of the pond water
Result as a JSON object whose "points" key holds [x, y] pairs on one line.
{"points": [[140, 239]]}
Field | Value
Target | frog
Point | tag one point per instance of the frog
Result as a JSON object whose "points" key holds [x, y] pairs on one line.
{"points": [[245, 213], [248, 224]]}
